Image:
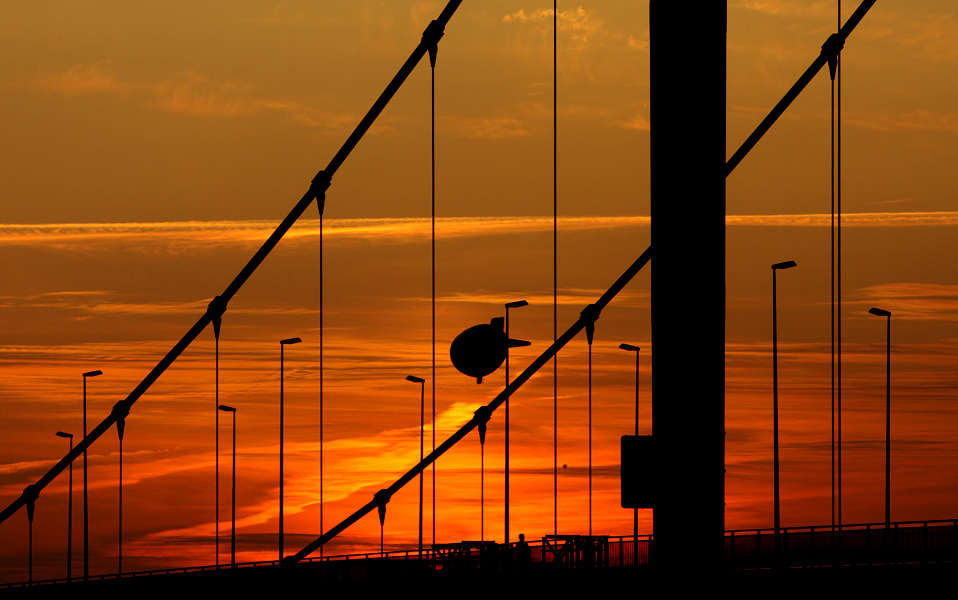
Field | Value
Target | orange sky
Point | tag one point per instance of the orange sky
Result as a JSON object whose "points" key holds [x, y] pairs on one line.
{"points": [[148, 152]]}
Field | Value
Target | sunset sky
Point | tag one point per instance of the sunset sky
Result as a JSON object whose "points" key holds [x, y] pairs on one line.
{"points": [[147, 149]]}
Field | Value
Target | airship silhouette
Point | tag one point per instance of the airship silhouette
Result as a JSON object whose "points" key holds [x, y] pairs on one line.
{"points": [[480, 350]]}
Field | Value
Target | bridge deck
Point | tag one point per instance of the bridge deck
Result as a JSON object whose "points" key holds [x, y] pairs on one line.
{"points": [[899, 551]]}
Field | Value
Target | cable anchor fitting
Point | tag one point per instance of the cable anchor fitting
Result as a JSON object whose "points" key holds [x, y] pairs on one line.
{"points": [[430, 38], [318, 188], [830, 50], [590, 314], [483, 414], [121, 411], [216, 309], [30, 495], [381, 499]]}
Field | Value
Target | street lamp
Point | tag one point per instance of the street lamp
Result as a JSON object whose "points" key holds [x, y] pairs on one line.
{"points": [[86, 512], [884, 313], [516, 304], [69, 436], [776, 267], [282, 346], [422, 441], [230, 409], [636, 349]]}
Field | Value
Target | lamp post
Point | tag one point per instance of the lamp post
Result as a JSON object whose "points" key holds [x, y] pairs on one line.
{"points": [[230, 409], [516, 304], [69, 436], [884, 313], [778, 523], [86, 512], [282, 360], [422, 441], [636, 349]]}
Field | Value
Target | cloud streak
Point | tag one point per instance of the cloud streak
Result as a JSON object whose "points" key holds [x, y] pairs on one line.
{"points": [[488, 128], [81, 79], [190, 93], [216, 233], [884, 219], [920, 301], [578, 22], [784, 8]]}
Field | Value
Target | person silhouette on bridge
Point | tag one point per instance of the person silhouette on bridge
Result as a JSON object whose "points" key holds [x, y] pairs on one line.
{"points": [[523, 552]]}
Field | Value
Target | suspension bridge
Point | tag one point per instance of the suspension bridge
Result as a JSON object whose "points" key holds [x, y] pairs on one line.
{"points": [[687, 445]]}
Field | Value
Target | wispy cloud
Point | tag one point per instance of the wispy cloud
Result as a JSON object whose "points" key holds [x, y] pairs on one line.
{"points": [[19, 467], [580, 23], [849, 219], [920, 120], [934, 34], [575, 297], [149, 237], [210, 234], [922, 301], [787, 8], [492, 128], [79, 80], [639, 123], [190, 93]]}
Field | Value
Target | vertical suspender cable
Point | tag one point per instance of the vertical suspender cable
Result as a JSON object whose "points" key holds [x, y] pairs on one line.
{"points": [[555, 275], [832, 239], [217, 325], [321, 382], [635, 511], [432, 60], [590, 438], [217, 411], [838, 131], [119, 547]]}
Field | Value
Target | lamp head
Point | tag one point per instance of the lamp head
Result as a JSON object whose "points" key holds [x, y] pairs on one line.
{"points": [[290, 341], [64, 434], [879, 312], [517, 304], [225, 408], [629, 347], [415, 379], [784, 265], [93, 373]]}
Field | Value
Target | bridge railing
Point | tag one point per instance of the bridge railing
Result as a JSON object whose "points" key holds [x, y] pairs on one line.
{"points": [[618, 551], [872, 543]]}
